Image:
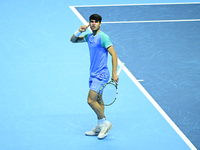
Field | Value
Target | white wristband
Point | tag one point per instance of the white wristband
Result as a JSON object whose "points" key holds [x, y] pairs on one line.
{"points": [[77, 33]]}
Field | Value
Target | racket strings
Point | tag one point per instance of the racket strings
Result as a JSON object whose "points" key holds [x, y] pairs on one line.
{"points": [[109, 94]]}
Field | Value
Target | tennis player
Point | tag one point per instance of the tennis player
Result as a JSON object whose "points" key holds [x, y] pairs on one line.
{"points": [[99, 46]]}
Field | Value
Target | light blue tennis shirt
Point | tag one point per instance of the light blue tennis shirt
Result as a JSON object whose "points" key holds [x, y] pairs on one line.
{"points": [[98, 45]]}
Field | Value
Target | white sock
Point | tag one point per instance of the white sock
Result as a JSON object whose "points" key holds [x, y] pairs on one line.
{"points": [[102, 121]]}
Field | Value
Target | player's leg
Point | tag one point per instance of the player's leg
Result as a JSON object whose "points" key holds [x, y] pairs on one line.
{"points": [[103, 125], [98, 109], [101, 102], [92, 101]]}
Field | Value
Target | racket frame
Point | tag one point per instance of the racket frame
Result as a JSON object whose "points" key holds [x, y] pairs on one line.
{"points": [[114, 84]]}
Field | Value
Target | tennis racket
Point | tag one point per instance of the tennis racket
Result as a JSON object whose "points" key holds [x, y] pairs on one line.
{"points": [[110, 91]]}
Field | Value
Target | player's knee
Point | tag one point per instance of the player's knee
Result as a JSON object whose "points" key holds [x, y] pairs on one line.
{"points": [[89, 101], [92, 98]]}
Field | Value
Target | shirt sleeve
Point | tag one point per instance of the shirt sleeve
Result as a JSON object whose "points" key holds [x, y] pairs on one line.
{"points": [[86, 37], [105, 41]]}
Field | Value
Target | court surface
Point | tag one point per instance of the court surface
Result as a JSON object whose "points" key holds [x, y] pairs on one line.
{"points": [[44, 81]]}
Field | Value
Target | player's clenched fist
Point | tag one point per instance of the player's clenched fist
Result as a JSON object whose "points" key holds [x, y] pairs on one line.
{"points": [[83, 28]]}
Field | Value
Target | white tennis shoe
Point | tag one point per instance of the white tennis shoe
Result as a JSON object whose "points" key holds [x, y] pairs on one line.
{"points": [[104, 129], [95, 131]]}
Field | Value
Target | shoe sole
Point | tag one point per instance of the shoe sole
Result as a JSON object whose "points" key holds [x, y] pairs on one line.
{"points": [[106, 132], [92, 134]]}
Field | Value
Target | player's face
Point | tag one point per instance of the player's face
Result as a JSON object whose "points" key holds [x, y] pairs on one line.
{"points": [[95, 25]]}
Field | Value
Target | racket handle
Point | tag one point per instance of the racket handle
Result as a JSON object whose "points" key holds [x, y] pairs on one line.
{"points": [[120, 69]]}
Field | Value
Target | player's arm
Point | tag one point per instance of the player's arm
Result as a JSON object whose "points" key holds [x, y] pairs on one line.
{"points": [[112, 52], [76, 38]]}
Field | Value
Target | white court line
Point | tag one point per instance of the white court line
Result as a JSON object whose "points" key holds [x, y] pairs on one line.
{"points": [[188, 3], [78, 15], [185, 20], [154, 103], [140, 80]]}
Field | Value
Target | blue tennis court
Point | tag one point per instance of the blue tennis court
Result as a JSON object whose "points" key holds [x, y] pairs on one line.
{"points": [[44, 81]]}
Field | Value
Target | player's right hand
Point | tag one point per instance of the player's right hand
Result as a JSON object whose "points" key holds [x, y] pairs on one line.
{"points": [[83, 28]]}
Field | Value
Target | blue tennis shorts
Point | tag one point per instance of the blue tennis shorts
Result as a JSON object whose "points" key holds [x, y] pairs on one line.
{"points": [[95, 83]]}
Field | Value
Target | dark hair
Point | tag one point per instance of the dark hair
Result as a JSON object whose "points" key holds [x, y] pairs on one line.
{"points": [[95, 17]]}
